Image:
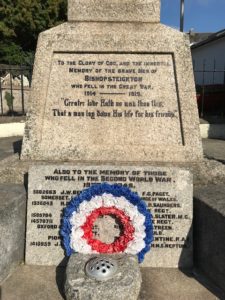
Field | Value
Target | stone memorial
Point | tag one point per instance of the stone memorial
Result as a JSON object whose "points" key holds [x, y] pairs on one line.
{"points": [[113, 100], [113, 91], [167, 192]]}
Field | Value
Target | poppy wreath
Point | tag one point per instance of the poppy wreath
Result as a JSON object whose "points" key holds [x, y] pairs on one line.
{"points": [[104, 199]]}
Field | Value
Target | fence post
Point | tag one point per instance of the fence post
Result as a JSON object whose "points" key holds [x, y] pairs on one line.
{"points": [[30, 75], [11, 90], [22, 90]]}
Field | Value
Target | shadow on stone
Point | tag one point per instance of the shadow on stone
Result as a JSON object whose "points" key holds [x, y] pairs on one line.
{"points": [[17, 146], [185, 263], [193, 272], [60, 276], [26, 182], [203, 279], [209, 244]]}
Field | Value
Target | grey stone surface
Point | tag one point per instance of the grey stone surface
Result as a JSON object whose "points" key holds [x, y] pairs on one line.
{"points": [[167, 192], [9, 146], [172, 284], [59, 127], [12, 227], [125, 284], [34, 283], [208, 172], [214, 149], [114, 10], [46, 283], [13, 170], [209, 224]]}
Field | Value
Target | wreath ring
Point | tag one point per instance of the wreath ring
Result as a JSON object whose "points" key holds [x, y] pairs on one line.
{"points": [[105, 199]]}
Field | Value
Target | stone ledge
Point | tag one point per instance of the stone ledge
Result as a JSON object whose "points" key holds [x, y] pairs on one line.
{"points": [[209, 232], [12, 227], [13, 170], [46, 283]]}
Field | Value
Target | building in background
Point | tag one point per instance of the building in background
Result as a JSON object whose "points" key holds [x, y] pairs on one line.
{"points": [[208, 53]]}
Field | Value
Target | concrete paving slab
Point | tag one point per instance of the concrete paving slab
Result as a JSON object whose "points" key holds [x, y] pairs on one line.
{"points": [[209, 233], [172, 284], [46, 283], [214, 149], [9, 146], [33, 283]]}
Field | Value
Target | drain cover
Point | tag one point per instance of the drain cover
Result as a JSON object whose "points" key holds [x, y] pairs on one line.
{"points": [[101, 268]]}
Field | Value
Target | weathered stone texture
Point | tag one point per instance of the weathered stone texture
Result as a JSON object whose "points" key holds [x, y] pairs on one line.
{"points": [[114, 10], [125, 284], [168, 196], [65, 138], [13, 170], [12, 227]]}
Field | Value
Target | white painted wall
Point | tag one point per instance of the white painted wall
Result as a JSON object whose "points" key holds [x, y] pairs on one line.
{"points": [[11, 129], [210, 52]]}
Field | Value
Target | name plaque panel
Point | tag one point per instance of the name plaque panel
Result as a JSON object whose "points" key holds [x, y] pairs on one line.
{"points": [[110, 100], [168, 193]]}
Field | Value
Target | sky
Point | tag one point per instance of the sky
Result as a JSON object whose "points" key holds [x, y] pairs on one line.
{"points": [[200, 15]]}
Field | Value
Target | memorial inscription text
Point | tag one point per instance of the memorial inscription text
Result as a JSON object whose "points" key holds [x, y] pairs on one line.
{"points": [[156, 186], [115, 88]]}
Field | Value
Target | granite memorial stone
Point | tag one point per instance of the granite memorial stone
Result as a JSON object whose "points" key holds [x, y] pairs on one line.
{"points": [[114, 10], [167, 192], [113, 91], [112, 100]]}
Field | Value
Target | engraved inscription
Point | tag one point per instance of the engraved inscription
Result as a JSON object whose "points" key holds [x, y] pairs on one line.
{"points": [[134, 95], [172, 216]]}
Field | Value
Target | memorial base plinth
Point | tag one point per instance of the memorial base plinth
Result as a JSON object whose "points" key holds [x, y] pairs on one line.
{"points": [[125, 284]]}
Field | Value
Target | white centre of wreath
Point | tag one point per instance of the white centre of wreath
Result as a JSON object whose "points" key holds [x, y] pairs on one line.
{"points": [[107, 229]]}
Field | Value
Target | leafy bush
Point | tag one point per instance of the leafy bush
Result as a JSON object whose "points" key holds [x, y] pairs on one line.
{"points": [[21, 21]]}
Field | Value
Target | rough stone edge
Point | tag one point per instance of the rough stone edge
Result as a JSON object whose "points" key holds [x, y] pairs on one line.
{"points": [[81, 260]]}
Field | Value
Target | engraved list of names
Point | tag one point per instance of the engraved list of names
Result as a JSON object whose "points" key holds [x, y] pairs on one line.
{"points": [[167, 192]]}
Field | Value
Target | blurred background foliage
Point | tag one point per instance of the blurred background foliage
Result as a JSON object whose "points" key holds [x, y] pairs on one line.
{"points": [[20, 23]]}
